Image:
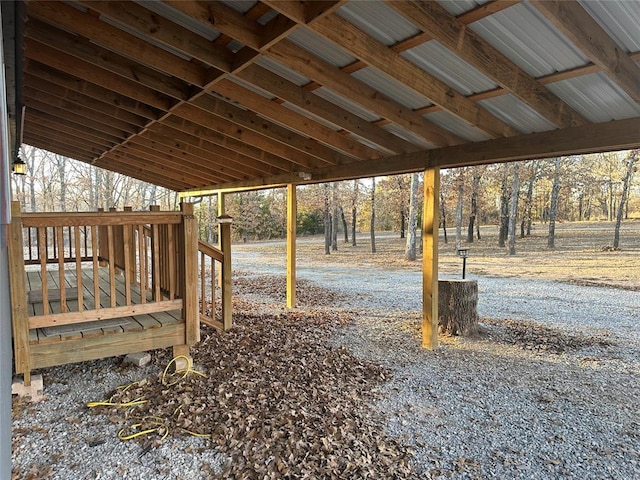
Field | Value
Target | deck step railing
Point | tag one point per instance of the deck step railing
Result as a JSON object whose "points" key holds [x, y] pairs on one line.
{"points": [[151, 266], [213, 262]]}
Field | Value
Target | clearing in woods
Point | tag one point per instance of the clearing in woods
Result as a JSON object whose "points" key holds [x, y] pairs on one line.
{"points": [[582, 254]]}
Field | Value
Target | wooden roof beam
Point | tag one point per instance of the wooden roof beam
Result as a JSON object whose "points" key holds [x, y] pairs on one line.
{"points": [[362, 46], [164, 30], [293, 120], [210, 113], [39, 87], [112, 38], [41, 72], [589, 138], [214, 164], [302, 98], [471, 47], [78, 141], [80, 120], [249, 32], [40, 123], [324, 73], [127, 167], [77, 108], [183, 164], [69, 128], [585, 32], [210, 133], [164, 137], [66, 49]]}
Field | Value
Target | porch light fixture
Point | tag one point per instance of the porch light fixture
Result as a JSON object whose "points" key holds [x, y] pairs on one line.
{"points": [[18, 167]]}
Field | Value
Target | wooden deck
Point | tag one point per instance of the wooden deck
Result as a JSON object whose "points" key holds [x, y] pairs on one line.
{"points": [[92, 285], [94, 337]]}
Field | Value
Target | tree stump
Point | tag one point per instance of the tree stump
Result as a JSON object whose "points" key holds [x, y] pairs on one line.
{"points": [[458, 307]]}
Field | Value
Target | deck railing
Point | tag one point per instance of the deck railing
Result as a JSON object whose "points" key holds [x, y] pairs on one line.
{"points": [[151, 259], [213, 260]]}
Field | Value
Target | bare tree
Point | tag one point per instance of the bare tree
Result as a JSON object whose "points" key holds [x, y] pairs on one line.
{"points": [[504, 206], [327, 220], [474, 205], [373, 215], [345, 227], [525, 225], [410, 250], [354, 211], [335, 218], [443, 216], [513, 214], [553, 208], [460, 185], [633, 156]]}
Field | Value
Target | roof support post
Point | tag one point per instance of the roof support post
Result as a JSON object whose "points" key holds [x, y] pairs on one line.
{"points": [[225, 245], [220, 197], [292, 214], [430, 229]]}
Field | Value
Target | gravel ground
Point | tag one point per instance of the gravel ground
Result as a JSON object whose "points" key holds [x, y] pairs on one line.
{"points": [[554, 395]]}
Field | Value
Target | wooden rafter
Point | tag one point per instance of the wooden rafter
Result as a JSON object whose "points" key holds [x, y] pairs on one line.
{"points": [[620, 134], [585, 32], [378, 55], [453, 34]]}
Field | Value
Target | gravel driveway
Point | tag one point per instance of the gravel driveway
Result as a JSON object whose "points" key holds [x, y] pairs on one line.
{"points": [[551, 389]]}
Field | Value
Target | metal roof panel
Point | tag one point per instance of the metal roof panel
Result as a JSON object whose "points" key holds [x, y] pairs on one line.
{"points": [[517, 114], [379, 21], [619, 19], [596, 98], [285, 72], [458, 7], [454, 124], [328, 51], [524, 35], [408, 136], [391, 88], [346, 104], [437, 60], [180, 18]]}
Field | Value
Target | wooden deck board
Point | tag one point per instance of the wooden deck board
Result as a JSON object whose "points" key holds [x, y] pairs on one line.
{"points": [[89, 329]]}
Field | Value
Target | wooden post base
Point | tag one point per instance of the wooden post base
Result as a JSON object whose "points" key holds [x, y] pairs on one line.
{"points": [[458, 307]]}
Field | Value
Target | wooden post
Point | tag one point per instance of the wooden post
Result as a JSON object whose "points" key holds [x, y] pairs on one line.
{"points": [[292, 208], [190, 269], [102, 243], [225, 245], [19, 318], [430, 258], [221, 208]]}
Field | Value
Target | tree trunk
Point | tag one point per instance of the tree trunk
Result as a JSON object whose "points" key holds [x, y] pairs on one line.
{"points": [[410, 250], [403, 222], [344, 226], [335, 219], [504, 207], [458, 307], [623, 198], [525, 228], [354, 211], [553, 209], [443, 217], [474, 205], [373, 215], [327, 221], [459, 208], [513, 214]]}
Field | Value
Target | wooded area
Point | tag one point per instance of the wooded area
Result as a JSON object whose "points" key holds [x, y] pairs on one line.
{"points": [[511, 196]]}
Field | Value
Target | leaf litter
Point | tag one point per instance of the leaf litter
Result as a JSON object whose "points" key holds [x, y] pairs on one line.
{"points": [[277, 399]]}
